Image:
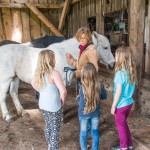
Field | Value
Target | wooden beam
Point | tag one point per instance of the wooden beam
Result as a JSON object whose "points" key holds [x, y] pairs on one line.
{"points": [[99, 17], [75, 1], [136, 38], [20, 5], [43, 19], [63, 14], [147, 40]]}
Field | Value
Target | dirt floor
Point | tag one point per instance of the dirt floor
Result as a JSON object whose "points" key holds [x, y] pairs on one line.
{"points": [[26, 133]]}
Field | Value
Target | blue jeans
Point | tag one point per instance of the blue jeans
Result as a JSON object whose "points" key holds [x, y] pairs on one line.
{"points": [[93, 123]]}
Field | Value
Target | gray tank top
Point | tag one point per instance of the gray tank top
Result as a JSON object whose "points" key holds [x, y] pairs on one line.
{"points": [[49, 97]]}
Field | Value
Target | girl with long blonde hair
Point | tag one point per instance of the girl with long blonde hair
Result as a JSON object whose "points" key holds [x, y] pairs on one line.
{"points": [[124, 87], [52, 96], [89, 108]]}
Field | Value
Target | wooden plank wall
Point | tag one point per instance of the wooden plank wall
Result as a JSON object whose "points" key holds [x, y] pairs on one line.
{"points": [[81, 11], [22, 25]]}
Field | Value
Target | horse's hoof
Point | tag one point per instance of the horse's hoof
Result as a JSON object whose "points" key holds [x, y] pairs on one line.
{"points": [[10, 120]]}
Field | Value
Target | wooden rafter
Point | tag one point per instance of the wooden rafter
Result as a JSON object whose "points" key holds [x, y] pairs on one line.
{"points": [[63, 14], [41, 5], [75, 1], [20, 4], [43, 19]]}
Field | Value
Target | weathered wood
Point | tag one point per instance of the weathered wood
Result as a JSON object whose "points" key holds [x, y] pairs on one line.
{"points": [[44, 19], [38, 5], [99, 17], [44, 29], [25, 25], [34, 26], [75, 1], [113, 6], [147, 55], [136, 37], [63, 14], [17, 26], [2, 34], [7, 20], [126, 3]]}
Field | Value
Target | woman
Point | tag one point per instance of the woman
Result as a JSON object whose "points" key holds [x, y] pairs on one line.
{"points": [[87, 51]]}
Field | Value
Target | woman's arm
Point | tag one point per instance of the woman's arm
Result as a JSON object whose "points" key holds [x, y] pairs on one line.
{"points": [[93, 58], [59, 83], [116, 98]]}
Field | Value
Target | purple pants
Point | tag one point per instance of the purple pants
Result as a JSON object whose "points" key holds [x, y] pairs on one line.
{"points": [[121, 115]]}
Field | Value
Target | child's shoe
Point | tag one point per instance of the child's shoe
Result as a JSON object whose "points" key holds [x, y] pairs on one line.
{"points": [[130, 148], [117, 147]]}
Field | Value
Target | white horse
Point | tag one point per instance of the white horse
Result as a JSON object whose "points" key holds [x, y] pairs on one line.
{"points": [[19, 62]]}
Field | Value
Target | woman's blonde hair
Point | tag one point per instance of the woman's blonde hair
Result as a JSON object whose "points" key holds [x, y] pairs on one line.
{"points": [[91, 87], [124, 61], [45, 65], [86, 31]]}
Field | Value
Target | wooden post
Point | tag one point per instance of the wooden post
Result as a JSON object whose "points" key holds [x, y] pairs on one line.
{"points": [[136, 37], [63, 15], [43, 19], [147, 57], [99, 17]]}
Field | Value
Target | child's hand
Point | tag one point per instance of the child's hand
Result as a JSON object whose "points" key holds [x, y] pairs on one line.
{"points": [[113, 110], [62, 102]]}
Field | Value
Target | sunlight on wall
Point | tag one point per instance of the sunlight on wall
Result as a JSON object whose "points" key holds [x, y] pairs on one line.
{"points": [[17, 32], [17, 36]]}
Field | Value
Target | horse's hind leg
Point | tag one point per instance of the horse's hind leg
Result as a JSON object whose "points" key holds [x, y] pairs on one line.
{"points": [[3, 92], [14, 85]]}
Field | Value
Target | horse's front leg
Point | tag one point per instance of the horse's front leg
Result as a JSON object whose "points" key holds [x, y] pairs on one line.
{"points": [[3, 92], [14, 85]]}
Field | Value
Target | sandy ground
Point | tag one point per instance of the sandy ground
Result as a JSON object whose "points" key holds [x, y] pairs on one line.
{"points": [[26, 133]]}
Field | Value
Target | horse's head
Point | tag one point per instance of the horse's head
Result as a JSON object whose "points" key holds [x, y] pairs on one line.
{"points": [[103, 47]]}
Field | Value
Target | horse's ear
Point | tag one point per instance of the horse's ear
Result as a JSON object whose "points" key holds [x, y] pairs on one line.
{"points": [[94, 38], [96, 34]]}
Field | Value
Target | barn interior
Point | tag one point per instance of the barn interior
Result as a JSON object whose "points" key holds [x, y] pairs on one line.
{"points": [[123, 22]]}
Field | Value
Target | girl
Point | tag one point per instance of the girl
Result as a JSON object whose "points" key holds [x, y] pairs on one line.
{"points": [[89, 108], [52, 96], [124, 86]]}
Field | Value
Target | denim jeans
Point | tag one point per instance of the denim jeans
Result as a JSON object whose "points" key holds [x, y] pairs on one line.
{"points": [[93, 123]]}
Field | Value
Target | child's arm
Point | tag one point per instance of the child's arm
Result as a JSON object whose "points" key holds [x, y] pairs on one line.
{"points": [[116, 98], [34, 84], [59, 83]]}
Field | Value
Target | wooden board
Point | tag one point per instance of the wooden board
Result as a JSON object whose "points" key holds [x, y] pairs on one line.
{"points": [[34, 26], [147, 55], [2, 33], [99, 17], [17, 25], [25, 25], [44, 29], [7, 20]]}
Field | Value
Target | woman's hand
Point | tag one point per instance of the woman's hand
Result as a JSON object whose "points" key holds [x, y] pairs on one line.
{"points": [[113, 110], [68, 55]]}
